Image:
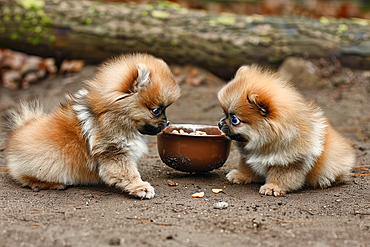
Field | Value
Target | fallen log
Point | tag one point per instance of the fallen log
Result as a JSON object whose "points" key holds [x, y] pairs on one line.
{"points": [[94, 31]]}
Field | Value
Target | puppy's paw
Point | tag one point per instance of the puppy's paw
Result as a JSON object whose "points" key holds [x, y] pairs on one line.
{"points": [[271, 190], [237, 177], [142, 190]]}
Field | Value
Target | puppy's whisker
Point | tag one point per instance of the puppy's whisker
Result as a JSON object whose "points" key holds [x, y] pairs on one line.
{"points": [[121, 97]]}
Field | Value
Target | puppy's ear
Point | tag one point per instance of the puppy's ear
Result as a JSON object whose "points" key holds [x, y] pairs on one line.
{"points": [[143, 77], [242, 68], [258, 104], [140, 80]]}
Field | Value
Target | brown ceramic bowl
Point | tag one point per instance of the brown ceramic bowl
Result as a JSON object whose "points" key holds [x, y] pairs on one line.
{"points": [[193, 153]]}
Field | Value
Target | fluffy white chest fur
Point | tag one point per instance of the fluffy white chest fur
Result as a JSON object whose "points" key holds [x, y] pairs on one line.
{"points": [[137, 148]]}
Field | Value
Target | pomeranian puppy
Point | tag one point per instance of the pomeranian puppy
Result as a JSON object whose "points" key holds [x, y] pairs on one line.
{"points": [[97, 136], [282, 139]]}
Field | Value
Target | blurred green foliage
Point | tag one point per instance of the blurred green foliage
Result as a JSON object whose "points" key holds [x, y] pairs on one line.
{"points": [[29, 18]]}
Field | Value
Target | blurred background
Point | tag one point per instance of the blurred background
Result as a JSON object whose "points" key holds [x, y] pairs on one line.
{"points": [[311, 8]]}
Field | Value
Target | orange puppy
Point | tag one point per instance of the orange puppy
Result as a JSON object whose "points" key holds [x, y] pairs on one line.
{"points": [[282, 139], [98, 135]]}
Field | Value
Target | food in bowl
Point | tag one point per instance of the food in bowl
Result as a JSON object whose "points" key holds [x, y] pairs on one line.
{"points": [[197, 133], [181, 148]]}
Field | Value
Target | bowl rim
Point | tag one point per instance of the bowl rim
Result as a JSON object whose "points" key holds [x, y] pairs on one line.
{"points": [[192, 126]]}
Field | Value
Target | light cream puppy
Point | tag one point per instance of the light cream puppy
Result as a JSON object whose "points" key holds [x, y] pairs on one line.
{"points": [[98, 135], [282, 139]]}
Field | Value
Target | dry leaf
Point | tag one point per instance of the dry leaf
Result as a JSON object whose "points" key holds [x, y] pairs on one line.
{"points": [[70, 67]]}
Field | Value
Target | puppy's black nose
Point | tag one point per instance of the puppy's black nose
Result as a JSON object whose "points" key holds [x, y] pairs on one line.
{"points": [[220, 124], [167, 123]]}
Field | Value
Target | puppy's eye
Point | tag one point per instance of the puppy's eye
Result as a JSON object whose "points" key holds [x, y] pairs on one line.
{"points": [[234, 120], [156, 111]]}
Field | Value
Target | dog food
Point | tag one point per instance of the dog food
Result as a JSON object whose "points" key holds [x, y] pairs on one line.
{"points": [[196, 133]]}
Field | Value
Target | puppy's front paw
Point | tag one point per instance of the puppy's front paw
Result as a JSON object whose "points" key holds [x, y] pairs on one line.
{"points": [[142, 190], [271, 190], [237, 177]]}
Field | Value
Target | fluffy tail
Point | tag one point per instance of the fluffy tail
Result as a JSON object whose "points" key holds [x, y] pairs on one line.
{"points": [[27, 111]]}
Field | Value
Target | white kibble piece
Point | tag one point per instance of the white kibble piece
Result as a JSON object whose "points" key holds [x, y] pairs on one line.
{"points": [[198, 195], [201, 133], [216, 191], [170, 183], [220, 205], [197, 133]]}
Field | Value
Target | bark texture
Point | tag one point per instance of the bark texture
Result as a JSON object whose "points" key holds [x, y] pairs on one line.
{"points": [[94, 31]]}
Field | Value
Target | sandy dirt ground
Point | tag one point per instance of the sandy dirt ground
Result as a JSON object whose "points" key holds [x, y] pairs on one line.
{"points": [[103, 216]]}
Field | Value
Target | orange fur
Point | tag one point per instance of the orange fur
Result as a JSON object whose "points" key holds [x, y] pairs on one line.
{"points": [[37, 184], [333, 141], [315, 173], [67, 136]]}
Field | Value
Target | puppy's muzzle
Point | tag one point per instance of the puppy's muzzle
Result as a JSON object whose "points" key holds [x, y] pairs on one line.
{"points": [[226, 129], [149, 129], [220, 124]]}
